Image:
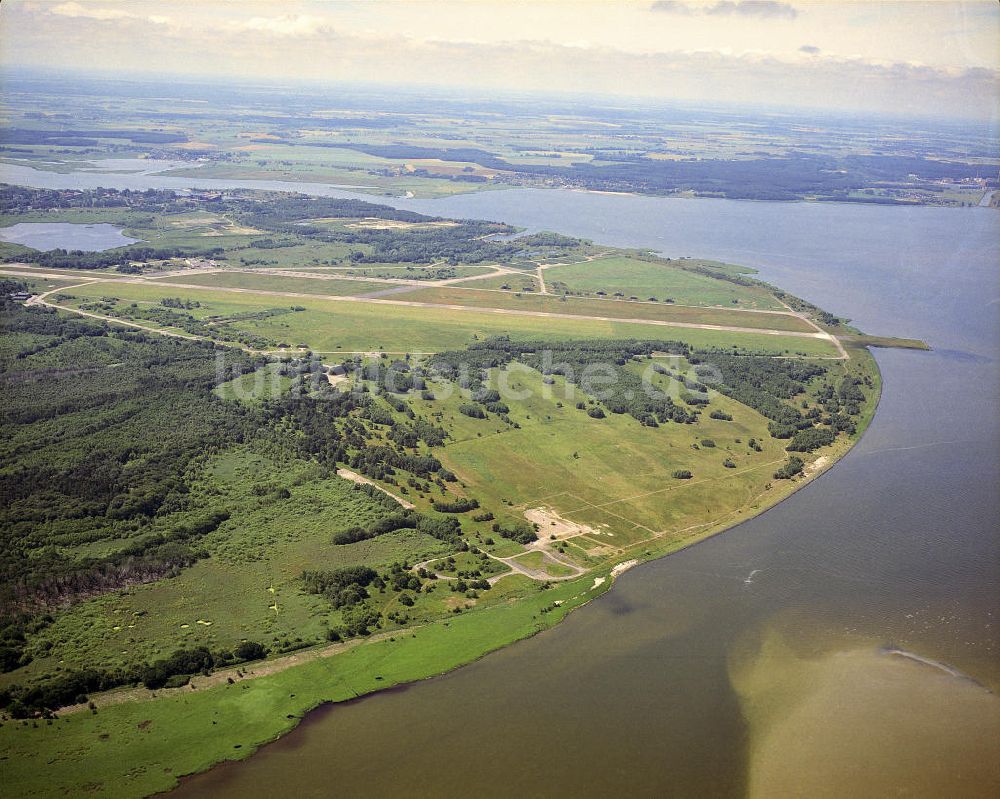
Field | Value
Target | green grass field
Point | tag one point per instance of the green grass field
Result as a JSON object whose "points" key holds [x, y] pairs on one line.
{"points": [[249, 588], [298, 285], [262, 384], [45, 270], [536, 561], [612, 474], [519, 281], [139, 748], [408, 271], [646, 279], [38, 285], [621, 309], [331, 325]]}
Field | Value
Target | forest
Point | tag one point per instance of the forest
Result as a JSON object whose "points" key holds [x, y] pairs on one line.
{"points": [[78, 466], [792, 176]]}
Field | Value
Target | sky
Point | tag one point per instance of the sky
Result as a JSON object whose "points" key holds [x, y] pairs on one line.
{"points": [[928, 58]]}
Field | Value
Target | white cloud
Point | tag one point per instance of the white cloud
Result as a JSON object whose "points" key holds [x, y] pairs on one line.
{"points": [[287, 25], [103, 13], [760, 9]]}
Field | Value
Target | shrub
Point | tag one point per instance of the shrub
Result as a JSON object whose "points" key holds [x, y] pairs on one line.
{"points": [[792, 467], [682, 474], [458, 505], [472, 410], [520, 532], [810, 439], [250, 650], [359, 619]]}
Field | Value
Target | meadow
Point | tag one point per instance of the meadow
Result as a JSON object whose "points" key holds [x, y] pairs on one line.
{"points": [[328, 285], [329, 326], [185, 731], [613, 474], [644, 278], [513, 281], [617, 308], [250, 586], [407, 271]]}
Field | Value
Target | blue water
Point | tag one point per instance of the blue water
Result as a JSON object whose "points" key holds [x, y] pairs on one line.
{"points": [[66, 236]]}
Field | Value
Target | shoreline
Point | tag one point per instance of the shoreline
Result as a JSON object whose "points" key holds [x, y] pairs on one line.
{"points": [[316, 685], [323, 189], [600, 581], [323, 687]]}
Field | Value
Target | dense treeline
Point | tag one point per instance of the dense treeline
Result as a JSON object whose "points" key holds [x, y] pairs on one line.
{"points": [[119, 257], [788, 177], [447, 529], [82, 460], [459, 505], [521, 532], [284, 212], [768, 384], [79, 138], [73, 687], [78, 463], [793, 466], [342, 587], [548, 239], [597, 367], [764, 384], [19, 199]]}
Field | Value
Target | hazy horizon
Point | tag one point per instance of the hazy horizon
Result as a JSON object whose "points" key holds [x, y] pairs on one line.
{"points": [[898, 58]]}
